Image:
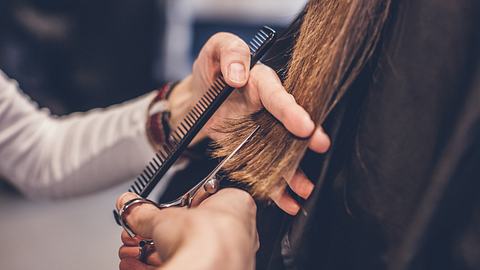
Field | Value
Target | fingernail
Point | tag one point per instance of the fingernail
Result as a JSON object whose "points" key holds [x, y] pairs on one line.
{"points": [[293, 209], [308, 189], [237, 72]]}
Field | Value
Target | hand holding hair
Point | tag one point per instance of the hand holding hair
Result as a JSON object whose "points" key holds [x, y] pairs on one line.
{"points": [[257, 89], [334, 43]]}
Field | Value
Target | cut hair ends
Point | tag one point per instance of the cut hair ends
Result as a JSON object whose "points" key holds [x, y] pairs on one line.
{"points": [[336, 39]]}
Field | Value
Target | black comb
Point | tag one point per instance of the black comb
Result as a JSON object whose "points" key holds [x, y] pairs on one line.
{"points": [[181, 137]]}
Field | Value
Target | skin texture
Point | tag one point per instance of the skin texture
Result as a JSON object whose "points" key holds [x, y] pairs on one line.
{"points": [[256, 89]]}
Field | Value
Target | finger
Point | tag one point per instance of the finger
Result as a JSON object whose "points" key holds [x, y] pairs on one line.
{"points": [[232, 53], [319, 142], [166, 227], [285, 202], [129, 241], [133, 264], [301, 185], [240, 206], [154, 259], [239, 201], [133, 252], [128, 252], [141, 217], [279, 103]]}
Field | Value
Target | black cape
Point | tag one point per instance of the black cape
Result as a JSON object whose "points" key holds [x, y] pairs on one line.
{"points": [[400, 188]]}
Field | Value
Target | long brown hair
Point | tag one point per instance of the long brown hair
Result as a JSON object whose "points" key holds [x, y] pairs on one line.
{"points": [[336, 39]]}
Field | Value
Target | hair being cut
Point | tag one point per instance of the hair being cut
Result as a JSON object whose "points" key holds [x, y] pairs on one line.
{"points": [[335, 41]]}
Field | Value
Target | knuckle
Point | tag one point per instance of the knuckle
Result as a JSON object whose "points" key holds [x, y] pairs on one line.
{"points": [[219, 36], [138, 215], [261, 69], [247, 200], [266, 74], [257, 74], [225, 35], [133, 218], [282, 113], [226, 40], [124, 264], [125, 197], [215, 43], [238, 46], [278, 96], [196, 63], [290, 98], [266, 70]]}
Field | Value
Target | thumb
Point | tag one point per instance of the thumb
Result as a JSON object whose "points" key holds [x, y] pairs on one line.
{"points": [[165, 227], [233, 54], [141, 218]]}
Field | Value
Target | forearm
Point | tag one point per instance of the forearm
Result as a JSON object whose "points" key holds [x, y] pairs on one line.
{"points": [[49, 157], [44, 156], [92, 151]]}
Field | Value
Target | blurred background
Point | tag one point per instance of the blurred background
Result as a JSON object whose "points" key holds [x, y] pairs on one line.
{"points": [[74, 56]]}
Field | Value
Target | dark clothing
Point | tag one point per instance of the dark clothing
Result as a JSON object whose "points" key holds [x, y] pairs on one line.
{"points": [[400, 189]]}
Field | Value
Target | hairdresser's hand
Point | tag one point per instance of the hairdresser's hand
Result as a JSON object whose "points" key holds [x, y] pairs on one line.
{"points": [[218, 234], [228, 55]]}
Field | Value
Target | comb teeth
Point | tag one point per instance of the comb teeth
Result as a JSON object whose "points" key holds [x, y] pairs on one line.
{"points": [[257, 41], [168, 148], [204, 108], [161, 156]]}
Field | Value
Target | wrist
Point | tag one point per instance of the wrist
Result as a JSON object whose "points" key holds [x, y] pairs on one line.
{"points": [[158, 115], [168, 109], [181, 100]]}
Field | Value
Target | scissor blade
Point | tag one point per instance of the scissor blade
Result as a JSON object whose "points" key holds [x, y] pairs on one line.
{"points": [[225, 160]]}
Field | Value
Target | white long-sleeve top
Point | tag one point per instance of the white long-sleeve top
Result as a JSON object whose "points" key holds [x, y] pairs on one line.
{"points": [[45, 156]]}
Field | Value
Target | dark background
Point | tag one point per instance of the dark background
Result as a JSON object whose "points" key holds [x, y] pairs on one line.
{"points": [[73, 56]]}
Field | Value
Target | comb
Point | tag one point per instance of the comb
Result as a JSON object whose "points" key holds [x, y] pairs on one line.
{"points": [[194, 121]]}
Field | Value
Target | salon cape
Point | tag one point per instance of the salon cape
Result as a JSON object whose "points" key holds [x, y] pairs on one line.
{"points": [[400, 187], [46, 156]]}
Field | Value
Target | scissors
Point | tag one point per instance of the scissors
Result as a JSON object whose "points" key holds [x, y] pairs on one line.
{"points": [[205, 188]]}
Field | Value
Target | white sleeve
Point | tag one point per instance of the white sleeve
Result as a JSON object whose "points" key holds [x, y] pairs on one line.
{"points": [[53, 157]]}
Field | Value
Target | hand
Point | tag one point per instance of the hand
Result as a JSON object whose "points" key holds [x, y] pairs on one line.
{"points": [[259, 88], [218, 234]]}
